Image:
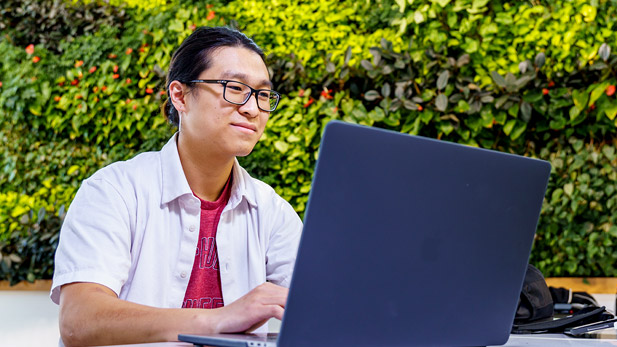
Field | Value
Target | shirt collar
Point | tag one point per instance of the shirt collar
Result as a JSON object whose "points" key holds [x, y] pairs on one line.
{"points": [[175, 184]]}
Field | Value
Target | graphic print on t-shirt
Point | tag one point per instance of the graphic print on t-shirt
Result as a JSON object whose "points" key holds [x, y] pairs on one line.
{"points": [[204, 287], [206, 251]]}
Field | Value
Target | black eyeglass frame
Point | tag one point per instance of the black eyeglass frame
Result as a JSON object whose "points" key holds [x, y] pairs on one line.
{"points": [[248, 96]]}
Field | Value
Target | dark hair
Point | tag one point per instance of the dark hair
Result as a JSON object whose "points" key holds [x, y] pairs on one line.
{"points": [[193, 57]]}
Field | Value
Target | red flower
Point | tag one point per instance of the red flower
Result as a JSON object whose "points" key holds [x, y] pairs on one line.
{"points": [[92, 69], [193, 27], [610, 90], [128, 81], [326, 94], [30, 49], [592, 107], [544, 91], [142, 49], [551, 84], [211, 15], [57, 98], [209, 6], [134, 107], [0, 84], [79, 63], [129, 51], [311, 100], [115, 76], [420, 108], [104, 88], [74, 82], [78, 96], [145, 31], [95, 89], [115, 68], [301, 93], [162, 92], [61, 83], [128, 101], [149, 91], [36, 59], [112, 56]]}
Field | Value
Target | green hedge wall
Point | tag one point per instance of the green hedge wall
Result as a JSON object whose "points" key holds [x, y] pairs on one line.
{"points": [[536, 80]]}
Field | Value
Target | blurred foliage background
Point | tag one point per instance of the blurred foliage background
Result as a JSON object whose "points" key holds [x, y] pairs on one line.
{"points": [[81, 84]]}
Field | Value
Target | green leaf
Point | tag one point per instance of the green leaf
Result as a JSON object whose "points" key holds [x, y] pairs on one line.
{"points": [[501, 100], [348, 55], [442, 3], [540, 60], [281, 146], [518, 130], [507, 129], [441, 102], [611, 111], [371, 95], [501, 82], [525, 111], [442, 81], [597, 92], [574, 112], [568, 188], [580, 98], [367, 65]]}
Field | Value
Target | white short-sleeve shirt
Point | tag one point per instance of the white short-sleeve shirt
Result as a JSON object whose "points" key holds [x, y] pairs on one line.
{"points": [[133, 227]]}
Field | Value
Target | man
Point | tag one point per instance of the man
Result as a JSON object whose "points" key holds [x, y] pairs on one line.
{"points": [[186, 226]]}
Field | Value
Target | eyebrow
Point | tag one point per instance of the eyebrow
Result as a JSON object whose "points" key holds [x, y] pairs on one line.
{"points": [[245, 77]]}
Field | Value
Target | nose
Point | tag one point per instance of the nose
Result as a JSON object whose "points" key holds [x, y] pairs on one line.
{"points": [[250, 109]]}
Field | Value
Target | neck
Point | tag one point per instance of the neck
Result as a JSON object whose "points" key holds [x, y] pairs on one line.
{"points": [[206, 174]]}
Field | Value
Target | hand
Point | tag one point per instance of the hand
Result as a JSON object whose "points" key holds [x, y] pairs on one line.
{"points": [[253, 309]]}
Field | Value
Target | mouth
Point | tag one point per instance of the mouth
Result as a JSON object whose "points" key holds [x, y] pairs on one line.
{"points": [[245, 126]]}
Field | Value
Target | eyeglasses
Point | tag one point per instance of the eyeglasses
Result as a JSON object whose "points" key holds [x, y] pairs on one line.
{"points": [[239, 93]]}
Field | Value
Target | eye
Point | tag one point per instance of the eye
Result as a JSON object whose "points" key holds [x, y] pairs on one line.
{"points": [[234, 88], [264, 95]]}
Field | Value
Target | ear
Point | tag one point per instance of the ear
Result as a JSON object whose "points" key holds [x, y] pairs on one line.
{"points": [[178, 95]]}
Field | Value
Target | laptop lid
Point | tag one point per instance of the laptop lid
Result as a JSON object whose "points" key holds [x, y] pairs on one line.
{"points": [[411, 241]]}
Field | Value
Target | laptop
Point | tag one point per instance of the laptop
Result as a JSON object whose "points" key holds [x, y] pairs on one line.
{"points": [[408, 241]]}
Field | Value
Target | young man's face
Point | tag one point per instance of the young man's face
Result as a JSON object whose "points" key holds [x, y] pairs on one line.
{"points": [[220, 127]]}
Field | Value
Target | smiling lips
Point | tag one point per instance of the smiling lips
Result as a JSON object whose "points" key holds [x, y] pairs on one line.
{"points": [[245, 126]]}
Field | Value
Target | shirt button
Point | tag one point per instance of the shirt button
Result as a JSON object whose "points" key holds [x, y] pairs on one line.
{"points": [[183, 274], [192, 228]]}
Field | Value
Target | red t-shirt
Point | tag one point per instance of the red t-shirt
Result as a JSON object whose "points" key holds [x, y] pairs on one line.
{"points": [[204, 288]]}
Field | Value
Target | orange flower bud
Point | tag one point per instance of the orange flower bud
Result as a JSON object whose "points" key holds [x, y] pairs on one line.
{"points": [[36, 59], [92, 69], [79, 63], [30, 49]]}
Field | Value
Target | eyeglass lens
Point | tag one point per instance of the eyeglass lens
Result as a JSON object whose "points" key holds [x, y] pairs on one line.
{"points": [[239, 93]]}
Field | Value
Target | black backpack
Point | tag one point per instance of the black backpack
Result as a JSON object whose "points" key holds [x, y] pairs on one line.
{"points": [[535, 311]]}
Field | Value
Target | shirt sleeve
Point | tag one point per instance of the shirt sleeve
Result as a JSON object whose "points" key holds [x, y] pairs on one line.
{"points": [[95, 239], [283, 245]]}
